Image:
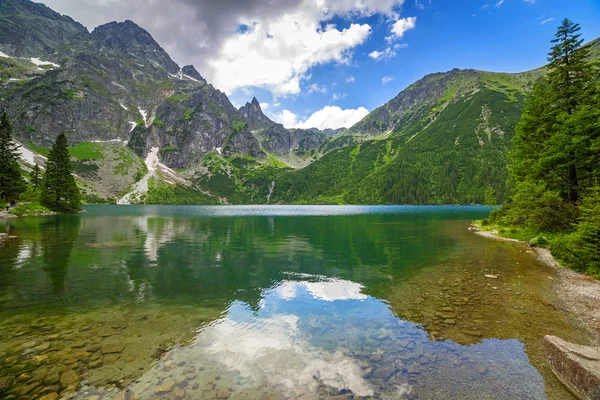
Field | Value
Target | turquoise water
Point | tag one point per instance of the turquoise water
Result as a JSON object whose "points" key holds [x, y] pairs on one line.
{"points": [[273, 302]]}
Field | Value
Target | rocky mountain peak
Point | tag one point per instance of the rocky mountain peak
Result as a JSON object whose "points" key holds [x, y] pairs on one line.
{"points": [[29, 29], [123, 35], [190, 71], [254, 116], [128, 37]]}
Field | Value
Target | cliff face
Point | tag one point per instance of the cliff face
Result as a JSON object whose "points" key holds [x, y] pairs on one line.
{"points": [[117, 83], [29, 29]]}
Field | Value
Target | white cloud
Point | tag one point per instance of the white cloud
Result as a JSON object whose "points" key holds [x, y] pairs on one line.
{"points": [[380, 55], [277, 53], [403, 25], [278, 62], [280, 41], [419, 5], [329, 117], [398, 46], [546, 21], [338, 96], [529, 1], [350, 79], [264, 106], [387, 79], [286, 118], [316, 88], [499, 3]]}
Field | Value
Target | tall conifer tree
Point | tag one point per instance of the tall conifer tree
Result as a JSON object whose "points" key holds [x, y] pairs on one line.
{"points": [[59, 190], [11, 180]]}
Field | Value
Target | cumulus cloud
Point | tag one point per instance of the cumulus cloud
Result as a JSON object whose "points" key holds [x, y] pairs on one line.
{"points": [[286, 118], [329, 117], [380, 55], [402, 25], [244, 43]]}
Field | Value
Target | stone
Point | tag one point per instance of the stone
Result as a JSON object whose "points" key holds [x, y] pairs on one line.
{"points": [[93, 349], [95, 364], [52, 378], [576, 366], [39, 359], [165, 387], [69, 378], [29, 388], [179, 393], [490, 276], [223, 394], [112, 348], [450, 321], [49, 396], [382, 373], [472, 333], [111, 358], [24, 377], [5, 382]]}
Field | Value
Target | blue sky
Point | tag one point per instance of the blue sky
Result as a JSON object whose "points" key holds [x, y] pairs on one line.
{"points": [[511, 37]]}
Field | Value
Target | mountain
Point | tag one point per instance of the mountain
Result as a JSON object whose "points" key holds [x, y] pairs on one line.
{"points": [[29, 29], [144, 129], [254, 117]]}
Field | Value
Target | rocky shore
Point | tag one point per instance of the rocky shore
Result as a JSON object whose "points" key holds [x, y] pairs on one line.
{"points": [[580, 294], [575, 365]]}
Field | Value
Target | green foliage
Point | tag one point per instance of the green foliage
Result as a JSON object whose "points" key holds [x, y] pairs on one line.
{"points": [[555, 157], [59, 190], [163, 193], [157, 123], [87, 151], [581, 248], [137, 140], [12, 183], [31, 194], [29, 209]]}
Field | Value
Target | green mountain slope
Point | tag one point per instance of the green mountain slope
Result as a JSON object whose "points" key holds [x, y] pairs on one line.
{"points": [[441, 141]]}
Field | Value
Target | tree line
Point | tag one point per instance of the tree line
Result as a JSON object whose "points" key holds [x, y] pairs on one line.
{"points": [[555, 158], [54, 187]]}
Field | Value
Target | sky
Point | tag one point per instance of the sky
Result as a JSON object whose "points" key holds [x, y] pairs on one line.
{"points": [[328, 63]]}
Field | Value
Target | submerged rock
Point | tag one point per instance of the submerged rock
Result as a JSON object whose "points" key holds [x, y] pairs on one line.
{"points": [[576, 366]]}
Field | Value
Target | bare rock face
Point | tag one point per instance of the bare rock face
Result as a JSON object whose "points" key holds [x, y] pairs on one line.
{"points": [[576, 366]]}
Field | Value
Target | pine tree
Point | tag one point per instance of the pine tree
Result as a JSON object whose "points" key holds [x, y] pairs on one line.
{"points": [[11, 180], [36, 177], [570, 70], [59, 190], [571, 78]]}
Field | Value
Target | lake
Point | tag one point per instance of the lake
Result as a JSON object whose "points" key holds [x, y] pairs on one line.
{"points": [[277, 302]]}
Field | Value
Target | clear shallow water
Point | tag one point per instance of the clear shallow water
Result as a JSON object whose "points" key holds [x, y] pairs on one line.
{"points": [[273, 302]]}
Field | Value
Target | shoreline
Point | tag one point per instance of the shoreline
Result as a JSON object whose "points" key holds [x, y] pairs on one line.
{"points": [[579, 294]]}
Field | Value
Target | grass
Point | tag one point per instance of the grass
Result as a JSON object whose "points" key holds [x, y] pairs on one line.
{"points": [[87, 151], [29, 209], [38, 149]]}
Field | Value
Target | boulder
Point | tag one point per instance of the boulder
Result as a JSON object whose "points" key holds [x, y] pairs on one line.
{"points": [[576, 366]]}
